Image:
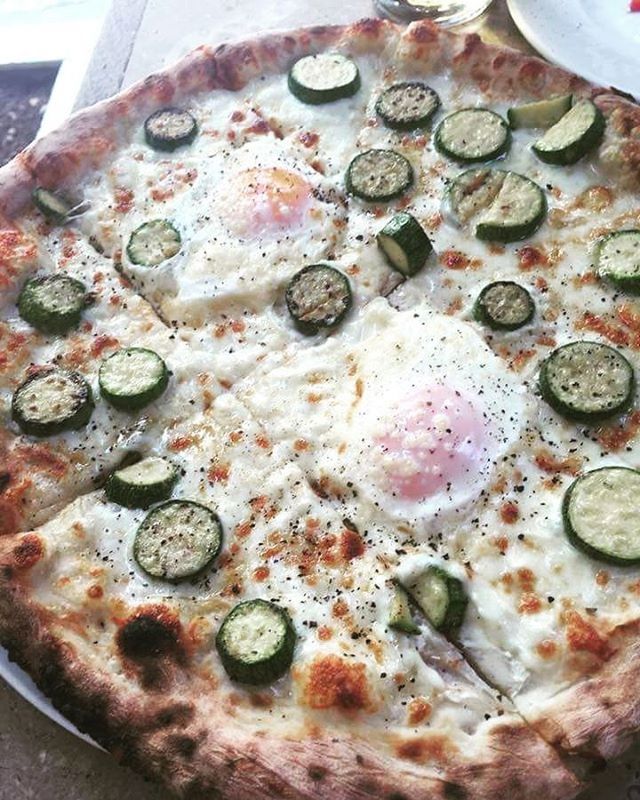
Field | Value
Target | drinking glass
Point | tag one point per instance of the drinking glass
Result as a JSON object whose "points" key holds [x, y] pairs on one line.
{"points": [[444, 12]]}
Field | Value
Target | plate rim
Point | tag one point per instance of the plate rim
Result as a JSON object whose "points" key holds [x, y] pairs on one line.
{"points": [[532, 35]]}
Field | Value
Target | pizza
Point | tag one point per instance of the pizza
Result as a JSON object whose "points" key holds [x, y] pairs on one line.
{"points": [[320, 438]]}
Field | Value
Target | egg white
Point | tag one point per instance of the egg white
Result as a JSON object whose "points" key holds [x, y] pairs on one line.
{"points": [[342, 396]]}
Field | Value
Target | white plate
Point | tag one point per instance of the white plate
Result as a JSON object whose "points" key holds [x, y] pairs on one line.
{"points": [[598, 39], [23, 684]]}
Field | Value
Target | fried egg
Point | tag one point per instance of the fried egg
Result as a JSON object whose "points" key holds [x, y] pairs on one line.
{"points": [[409, 411], [262, 213]]}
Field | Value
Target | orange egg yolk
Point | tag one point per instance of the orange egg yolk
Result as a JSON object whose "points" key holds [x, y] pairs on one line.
{"points": [[266, 200]]}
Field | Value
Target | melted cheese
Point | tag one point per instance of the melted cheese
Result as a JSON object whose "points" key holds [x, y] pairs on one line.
{"points": [[308, 521]]}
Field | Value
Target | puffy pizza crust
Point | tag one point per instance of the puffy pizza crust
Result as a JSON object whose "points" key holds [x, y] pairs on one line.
{"points": [[159, 709], [167, 734]]}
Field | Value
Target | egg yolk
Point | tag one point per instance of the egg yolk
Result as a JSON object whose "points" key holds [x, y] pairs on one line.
{"points": [[266, 200], [436, 443]]}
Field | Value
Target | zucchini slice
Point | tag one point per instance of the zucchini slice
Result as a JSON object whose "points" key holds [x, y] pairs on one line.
{"points": [[318, 296], [132, 378], [473, 134], [153, 242], [256, 642], [52, 401], [54, 207], [587, 381], [405, 244], [517, 212], [505, 206], [379, 175], [601, 514], [504, 306], [170, 128], [400, 618], [473, 191], [541, 114], [442, 599], [578, 131], [52, 303], [618, 259], [177, 540], [141, 484], [407, 106], [323, 78]]}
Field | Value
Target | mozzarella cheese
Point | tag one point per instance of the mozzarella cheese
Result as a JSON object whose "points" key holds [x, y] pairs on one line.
{"points": [[408, 437], [410, 410]]}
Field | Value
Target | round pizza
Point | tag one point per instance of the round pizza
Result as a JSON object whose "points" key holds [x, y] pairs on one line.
{"points": [[319, 435]]}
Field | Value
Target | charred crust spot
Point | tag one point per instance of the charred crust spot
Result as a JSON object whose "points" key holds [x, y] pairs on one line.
{"points": [[434, 748], [359, 759], [197, 788], [369, 27], [397, 796], [316, 773], [472, 42], [184, 746], [28, 552], [318, 31], [369, 786], [5, 480], [424, 33], [532, 74], [179, 715], [161, 86], [453, 791], [150, 634], [90, 713]]}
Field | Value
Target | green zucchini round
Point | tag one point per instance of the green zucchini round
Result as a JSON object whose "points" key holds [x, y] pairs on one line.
{"points": [[408, 105], [52, 205], [580, 130], [405, 244], [318, 297], [256, 642], [323, 78], [52, 401], [472, 135], [153, 242], [52, 303], [132, 378], [617, 257], [379, 175], [504, 306], [177, 540], [601, 513], [170, 128], [587, 381], [142, 484], [441, 598], [541, 113], [503, 206]]}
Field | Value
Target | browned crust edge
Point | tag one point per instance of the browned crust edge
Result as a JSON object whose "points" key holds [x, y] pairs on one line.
{"points": [[595, 716], [599, 716], [198, 751], [91, 136]]}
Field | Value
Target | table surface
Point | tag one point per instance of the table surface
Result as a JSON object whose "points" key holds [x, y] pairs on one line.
{"points": [[39, 760]]}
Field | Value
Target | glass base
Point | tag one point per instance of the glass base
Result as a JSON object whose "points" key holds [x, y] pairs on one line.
{"points": [[444, 12]]}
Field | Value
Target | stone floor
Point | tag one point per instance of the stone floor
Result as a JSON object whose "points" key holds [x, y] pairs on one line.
{"points": [[40, 761], [24, 92]]}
